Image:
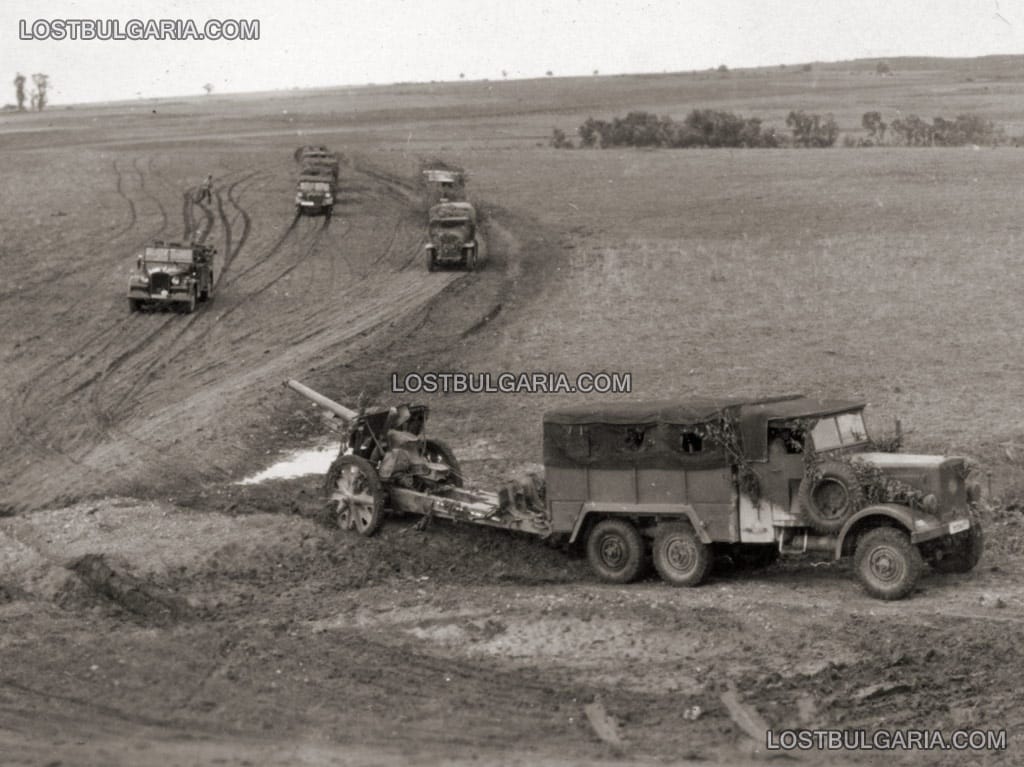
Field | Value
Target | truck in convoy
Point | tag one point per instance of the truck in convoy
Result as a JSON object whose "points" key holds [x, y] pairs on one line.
{"points": [[172, 274]]}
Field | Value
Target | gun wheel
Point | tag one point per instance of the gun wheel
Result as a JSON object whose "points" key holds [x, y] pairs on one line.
{"points": [[354, 489]]}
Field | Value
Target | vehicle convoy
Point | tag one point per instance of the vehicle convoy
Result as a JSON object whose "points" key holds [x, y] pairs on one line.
{"points": [[684, 482], [451, 233], [172, 274]]}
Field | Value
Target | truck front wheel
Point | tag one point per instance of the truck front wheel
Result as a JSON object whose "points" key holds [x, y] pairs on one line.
{"points": [[680, 557], [615, 551], [887, 563]]}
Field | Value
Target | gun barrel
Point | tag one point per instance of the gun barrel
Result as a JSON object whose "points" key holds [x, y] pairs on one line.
{"points": [[325, 402]]}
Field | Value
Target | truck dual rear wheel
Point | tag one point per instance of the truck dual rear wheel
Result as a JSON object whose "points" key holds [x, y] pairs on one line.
{"points": [[615, 550], [354, 489], [680, 557], [887, 563]]}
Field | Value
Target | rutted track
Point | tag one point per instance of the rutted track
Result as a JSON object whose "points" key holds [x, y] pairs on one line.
{"points": [[285, 293]]}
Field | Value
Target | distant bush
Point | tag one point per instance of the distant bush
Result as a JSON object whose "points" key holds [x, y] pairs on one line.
{"points": [[559, 140], [966, 129], [812, 130], [701, 128]]}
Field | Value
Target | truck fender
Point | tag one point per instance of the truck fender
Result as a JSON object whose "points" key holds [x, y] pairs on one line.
{"points": [[903, 516], [668, 510]]}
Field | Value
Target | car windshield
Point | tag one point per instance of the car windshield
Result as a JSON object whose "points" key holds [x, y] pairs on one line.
{"points": [[314, 186], [449, 223], [169, 255], [842, 430]]}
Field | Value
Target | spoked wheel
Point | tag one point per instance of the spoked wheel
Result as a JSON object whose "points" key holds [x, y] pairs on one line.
{"points": [[354, 490]]}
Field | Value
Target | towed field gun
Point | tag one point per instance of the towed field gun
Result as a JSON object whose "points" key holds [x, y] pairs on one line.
{"points": [[685, 482], [387, 461]]}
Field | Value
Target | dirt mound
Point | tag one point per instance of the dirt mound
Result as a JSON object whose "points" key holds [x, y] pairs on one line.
{"points": [[128, 592]]}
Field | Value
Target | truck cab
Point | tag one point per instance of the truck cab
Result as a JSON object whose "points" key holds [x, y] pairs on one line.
{"points": [[451, 236]]}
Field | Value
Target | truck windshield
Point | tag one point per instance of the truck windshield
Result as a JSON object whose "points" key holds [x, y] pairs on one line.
{"points": [[841, 430], [449, 223], [314, 186]]}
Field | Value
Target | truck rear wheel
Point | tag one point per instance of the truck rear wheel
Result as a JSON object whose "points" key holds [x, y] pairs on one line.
{"points": [[680, 557], [615, 551], [354, 489], [887, 563]]}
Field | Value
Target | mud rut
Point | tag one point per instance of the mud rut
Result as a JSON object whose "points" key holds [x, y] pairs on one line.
{"points": [[282, 282]]}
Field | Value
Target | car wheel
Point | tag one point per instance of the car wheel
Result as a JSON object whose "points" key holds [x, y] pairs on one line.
{"points": [[887, 563], [437, 451], [615, 550], [830, 497], [431, 262], [680, 557], [189, 306], [354, 489], [966, 553]]}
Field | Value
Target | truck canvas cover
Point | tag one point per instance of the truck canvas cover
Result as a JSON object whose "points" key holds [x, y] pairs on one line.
{"points": [[654, 433]]}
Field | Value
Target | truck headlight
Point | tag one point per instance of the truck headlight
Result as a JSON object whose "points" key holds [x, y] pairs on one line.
{"points": [[930, 503], [973, 492], [175, 280]]}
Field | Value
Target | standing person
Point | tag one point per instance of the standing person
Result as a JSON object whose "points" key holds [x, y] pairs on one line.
{"points": [[206, 190]]}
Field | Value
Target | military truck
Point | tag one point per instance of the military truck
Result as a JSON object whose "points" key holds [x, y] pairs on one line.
{"points": [[172, 274], [451, 232], [684, 482], [315, 194], [444, 184]]}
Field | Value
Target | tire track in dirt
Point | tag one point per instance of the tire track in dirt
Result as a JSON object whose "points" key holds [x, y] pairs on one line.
{"points": [[19, 417]]}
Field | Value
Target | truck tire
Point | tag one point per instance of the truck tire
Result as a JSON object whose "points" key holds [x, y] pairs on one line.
{"points": [[966, 555], [204, 295], [353, 487], [615, 551], [680, 556], [831, 497], [887, 563], [189, 306], [134, 304], [431, 261], [471, 263], [437, 451]]}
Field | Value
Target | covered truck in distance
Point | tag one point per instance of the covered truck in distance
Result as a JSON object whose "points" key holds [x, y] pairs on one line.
{"points": [[315, 193], [452, 236], [172, 274]]}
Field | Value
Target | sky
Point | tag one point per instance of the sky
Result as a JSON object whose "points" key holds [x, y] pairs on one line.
{"points": [[315, 43]]}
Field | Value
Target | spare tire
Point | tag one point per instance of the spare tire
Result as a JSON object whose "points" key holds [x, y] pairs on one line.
{"points": [[830, 496]]}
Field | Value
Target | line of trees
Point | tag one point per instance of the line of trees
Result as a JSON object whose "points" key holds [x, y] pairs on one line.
{"points": [[963, 130], [717, 128], [700, 128]]}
